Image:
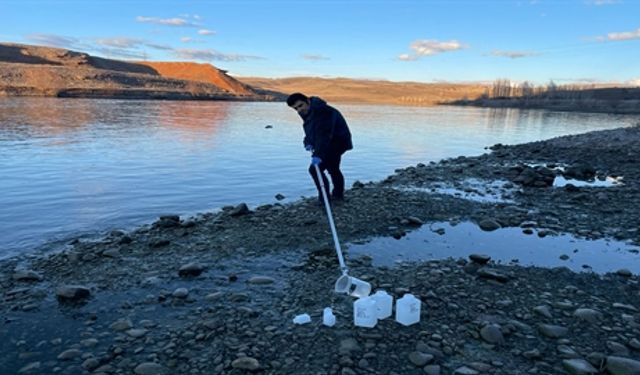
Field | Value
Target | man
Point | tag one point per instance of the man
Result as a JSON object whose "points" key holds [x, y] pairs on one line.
{"points": [[327, 136]]}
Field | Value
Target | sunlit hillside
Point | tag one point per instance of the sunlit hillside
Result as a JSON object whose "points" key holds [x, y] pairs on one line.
{"points": [[370, 91]]}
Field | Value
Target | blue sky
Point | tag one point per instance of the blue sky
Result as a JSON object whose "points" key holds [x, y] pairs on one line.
{"points": [[572, 41]]}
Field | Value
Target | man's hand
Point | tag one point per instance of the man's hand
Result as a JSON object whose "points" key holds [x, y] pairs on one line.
{"points": [[315, 160], [308, 148]]}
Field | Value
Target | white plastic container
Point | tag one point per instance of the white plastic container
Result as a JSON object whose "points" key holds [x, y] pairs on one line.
{"points": [[352, 286], [384, 304], [302, 319], [365, 313], [328, 319], [408, 310]]}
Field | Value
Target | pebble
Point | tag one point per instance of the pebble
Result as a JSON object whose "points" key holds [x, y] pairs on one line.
{"points": [[72, 292], [432, 370], [261, 280], [69, 354], [33, 366], [137, 332], [579, 367], [464, 370], [588, 315], [480, 258], [624, 272], [488, 225], [26, 275], [150, 368], [552, 331], [246, 363], [191, 269], [492, 334], [622, 366], [543, 310], [420, 359], [121, 325], [180, 293]]}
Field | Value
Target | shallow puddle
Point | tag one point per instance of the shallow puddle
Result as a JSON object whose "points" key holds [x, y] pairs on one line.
{"points": [[609, 181], [505, 245]]}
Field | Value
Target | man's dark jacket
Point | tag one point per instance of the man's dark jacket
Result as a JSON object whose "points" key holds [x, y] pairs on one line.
{"points": [[325, 130]]}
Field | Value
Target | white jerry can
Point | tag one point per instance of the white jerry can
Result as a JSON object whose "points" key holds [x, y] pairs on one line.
{"points": [[408, 310]]}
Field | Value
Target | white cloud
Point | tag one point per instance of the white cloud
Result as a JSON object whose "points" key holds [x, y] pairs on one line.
{"points": [[625, 35], [407, 57], [602, 2], [119, 42], [121, 53], [185, 39], [123, 43], [54, 40], [211, 55], [179, 22], [634, 82], [434, 47], [312, 57], [513, 54], [206, 32], [430, 47]]}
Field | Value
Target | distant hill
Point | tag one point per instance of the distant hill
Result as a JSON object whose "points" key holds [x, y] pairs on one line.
{"points": [[45, 71], [371, 91]]}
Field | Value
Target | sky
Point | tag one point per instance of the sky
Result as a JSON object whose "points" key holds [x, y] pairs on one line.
{"points": [[567, 42]]}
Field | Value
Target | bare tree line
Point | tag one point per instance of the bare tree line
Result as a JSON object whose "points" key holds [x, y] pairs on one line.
{"points": [[505, 88]]}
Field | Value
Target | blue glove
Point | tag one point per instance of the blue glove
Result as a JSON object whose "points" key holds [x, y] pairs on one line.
{"points": [[308, 147], [315, 160]]}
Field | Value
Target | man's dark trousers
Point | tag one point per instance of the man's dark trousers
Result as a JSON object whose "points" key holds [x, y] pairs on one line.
{"points": [[332, 164]]}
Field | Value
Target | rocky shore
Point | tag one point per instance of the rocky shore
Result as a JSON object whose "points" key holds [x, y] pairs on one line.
{"points": [[216, 293]]}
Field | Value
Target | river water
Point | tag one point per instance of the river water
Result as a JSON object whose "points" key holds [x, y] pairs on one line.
{"points": [[73, 167]]}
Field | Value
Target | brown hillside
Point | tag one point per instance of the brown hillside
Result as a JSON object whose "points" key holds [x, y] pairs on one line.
{"points": [[201, 73], [370, 91], [27, 70]]}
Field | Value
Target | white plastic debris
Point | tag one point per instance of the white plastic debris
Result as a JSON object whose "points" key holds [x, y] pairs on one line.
{"points": [[328, 319], [302, 319]]}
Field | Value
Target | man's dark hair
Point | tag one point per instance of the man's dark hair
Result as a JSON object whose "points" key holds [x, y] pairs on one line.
{"points": [[296, 96]]}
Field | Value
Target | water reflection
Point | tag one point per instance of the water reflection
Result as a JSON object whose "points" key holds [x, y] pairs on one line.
{"points": [[22, 119], [506, 245]]}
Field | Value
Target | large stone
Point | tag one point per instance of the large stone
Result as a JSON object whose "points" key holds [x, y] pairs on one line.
{"points": [[579, 367], [26, 275], [552, 331], [72, 292], [622, 366], [492, 334], [488, 225], [191, 269], [480, 258]]}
